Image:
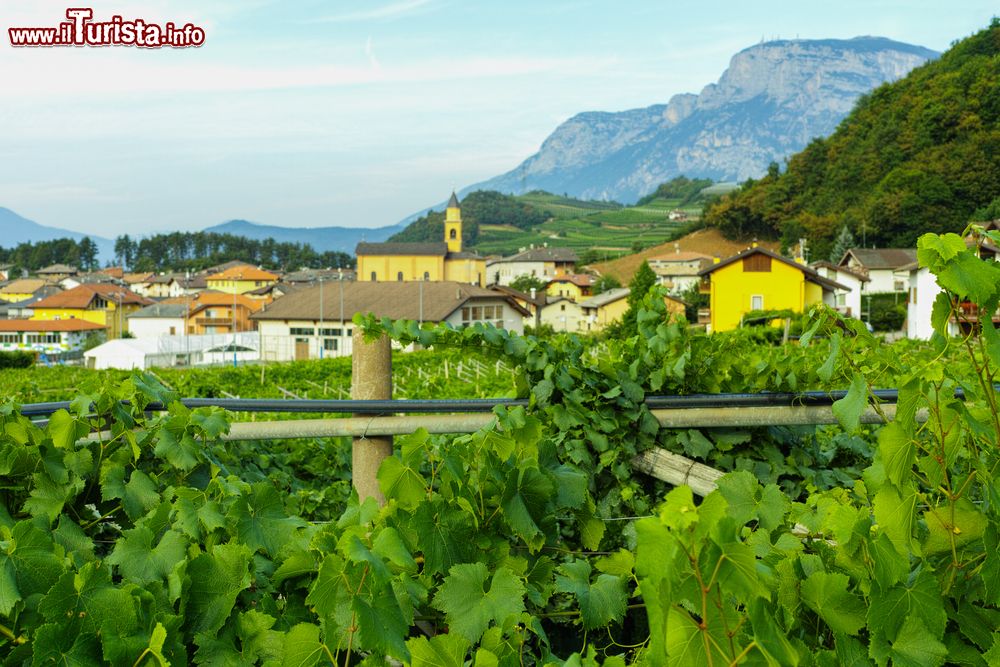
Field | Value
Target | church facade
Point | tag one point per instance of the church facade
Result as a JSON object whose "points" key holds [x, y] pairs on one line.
{"points": [[405, 262]]}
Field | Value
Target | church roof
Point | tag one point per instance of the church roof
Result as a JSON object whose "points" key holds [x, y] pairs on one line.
{"points": [[400, 248], [453, 202]]}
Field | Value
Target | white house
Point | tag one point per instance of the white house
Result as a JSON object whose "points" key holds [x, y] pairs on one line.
{"points": [[159, 319], [164, 286], [881, 266], [316, 322], [46, 336], [678, 270], [543, 263], [846, 301], [165, 351]]}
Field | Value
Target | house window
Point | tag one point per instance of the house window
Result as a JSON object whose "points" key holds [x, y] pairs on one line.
{"points": [[758, 263], [43, 338], [329, 332], [399, 276], [427, 275], [173, 330], [841, 299], [757, 301], [10, 338], [301, 331], [562, 307], [452, 235], [485, 314], [898, 286], [330, 344], [374, 276]]}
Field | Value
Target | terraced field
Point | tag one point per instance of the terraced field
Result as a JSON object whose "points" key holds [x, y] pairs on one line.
{"points": [[609, 229]]}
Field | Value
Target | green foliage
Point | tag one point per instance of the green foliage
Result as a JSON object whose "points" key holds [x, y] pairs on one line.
{"points": [[885, 312], [130, 538], [844, 242], [685, 190], [913, 156], [526, 283], [605, 283], [16, 359]]}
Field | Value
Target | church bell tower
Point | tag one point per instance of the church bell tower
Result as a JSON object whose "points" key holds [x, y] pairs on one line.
{"points": [[453, 225]]}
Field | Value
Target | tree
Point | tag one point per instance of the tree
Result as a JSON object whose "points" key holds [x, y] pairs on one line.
{"points": [[526, 283], [643, 281], [604, 283], [125, 251], [88, 254], [844, 242]]}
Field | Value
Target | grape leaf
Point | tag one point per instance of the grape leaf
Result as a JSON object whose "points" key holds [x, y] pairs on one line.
{"points": [[469, 607], [602, 602], [827, 595]]}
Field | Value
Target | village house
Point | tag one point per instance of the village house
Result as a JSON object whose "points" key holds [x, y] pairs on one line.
{"points": [[212, 312], [432, 261], [102, 303], [159, 319], [56, 272], [23, 289], [574, 286], [562, 314], [880, 266], [543, 263], [678, 270], [316, 322], [758, 279], [52, 337], [240, 279], [846, 301]]}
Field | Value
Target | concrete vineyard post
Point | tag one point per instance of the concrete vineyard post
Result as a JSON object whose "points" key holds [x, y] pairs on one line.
{"points": [[371, 379]]}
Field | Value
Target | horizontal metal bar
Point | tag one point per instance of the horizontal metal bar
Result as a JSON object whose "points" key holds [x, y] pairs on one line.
{"points": [[316, 406]]}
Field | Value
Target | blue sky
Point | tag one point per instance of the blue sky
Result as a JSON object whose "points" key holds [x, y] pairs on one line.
{"points": [[358, 113]]}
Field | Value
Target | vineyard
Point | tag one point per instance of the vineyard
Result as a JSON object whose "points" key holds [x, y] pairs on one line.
{"points": [[130, 537]]}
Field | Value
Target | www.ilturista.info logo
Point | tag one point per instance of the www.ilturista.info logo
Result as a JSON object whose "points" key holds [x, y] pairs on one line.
{"points": [[82, 30]]}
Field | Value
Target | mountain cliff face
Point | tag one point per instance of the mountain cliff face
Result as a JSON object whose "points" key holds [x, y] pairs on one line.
{"points": [[772, 100]]}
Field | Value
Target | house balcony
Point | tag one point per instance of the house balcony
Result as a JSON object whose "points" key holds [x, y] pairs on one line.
{"points": [[214, 322]]}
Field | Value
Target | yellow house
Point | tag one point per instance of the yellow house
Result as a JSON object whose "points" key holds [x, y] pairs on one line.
{"points": [[573, 286], [403, 262], [240, 279], [21, 289], [758, 279], [101, 303], [607, 307]]}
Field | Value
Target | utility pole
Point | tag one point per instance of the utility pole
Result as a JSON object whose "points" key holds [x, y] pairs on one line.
{"points": [[235, 283], [322, 343]]}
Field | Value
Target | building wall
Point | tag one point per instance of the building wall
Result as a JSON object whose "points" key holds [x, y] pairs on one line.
{"points": [[153, 327], [219, 319], [884, 280], [239, 286], [388, 267], [504, 273], [108, 317], [923, 289], [512, 319], [733, 289], [568, 290], [469, 271], [68, 341], [278, 343], [564, 316], [14, 297]]}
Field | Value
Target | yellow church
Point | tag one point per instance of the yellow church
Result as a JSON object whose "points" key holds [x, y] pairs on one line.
{"points": [[401, 262]]}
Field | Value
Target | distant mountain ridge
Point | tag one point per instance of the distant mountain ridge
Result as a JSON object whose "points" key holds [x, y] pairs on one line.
{"points": [[16, 229], [769, 103], [343, 239]]}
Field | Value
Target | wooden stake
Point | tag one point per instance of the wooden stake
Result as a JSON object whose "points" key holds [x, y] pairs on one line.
{"points": [[371, 379]]}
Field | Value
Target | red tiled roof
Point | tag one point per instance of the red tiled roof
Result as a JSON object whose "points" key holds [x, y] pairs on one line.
{"points": [[82, 295]]}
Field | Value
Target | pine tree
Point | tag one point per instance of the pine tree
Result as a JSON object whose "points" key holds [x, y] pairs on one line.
{"points": [[844, 242]]}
